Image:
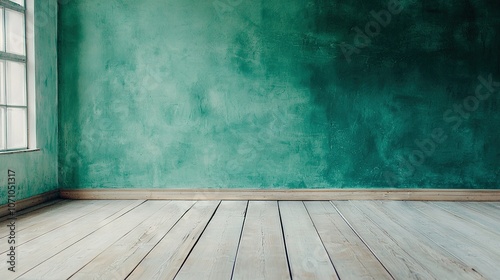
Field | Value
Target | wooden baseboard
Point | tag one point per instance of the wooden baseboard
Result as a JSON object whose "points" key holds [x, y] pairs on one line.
{"points": [[275, 194], [30, 202]]}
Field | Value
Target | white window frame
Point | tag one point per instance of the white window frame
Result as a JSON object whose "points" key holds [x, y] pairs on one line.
{"points": [[29, 25]]}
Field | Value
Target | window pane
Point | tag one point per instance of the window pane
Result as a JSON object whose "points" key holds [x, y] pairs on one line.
{"points": [[2, 42], [17, 128], [16, 83], [20, 2], [2, 82], [2, 128], [14, 27]]}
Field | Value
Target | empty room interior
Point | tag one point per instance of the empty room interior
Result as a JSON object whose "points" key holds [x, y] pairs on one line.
{"points": [[238, 139]]}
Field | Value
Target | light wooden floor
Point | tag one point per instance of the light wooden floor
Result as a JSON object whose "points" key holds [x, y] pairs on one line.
{"points": [[256, 240]]}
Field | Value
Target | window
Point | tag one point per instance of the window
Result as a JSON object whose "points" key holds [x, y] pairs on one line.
{"points": [[15, 100]]}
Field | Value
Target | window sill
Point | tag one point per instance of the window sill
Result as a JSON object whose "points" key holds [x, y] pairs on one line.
{"points": [[19, 151]]}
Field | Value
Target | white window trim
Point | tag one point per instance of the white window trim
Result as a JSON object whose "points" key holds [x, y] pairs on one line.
{"points": [[29, 13], [30, 68]]}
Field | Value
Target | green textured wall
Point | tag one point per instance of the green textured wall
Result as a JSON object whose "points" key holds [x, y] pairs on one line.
{"points": [[36, 172], [281, 93]]}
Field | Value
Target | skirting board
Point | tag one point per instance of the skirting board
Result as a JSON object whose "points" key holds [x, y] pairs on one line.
{"points": [[30, 202], [275, 194]]}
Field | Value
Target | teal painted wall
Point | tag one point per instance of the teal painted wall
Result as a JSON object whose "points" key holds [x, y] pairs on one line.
{"points": [[36, 172], [271, 94]]}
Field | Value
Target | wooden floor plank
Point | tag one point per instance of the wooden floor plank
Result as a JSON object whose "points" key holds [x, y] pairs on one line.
{"points": [[214, 255], [440, 263], [118, 260], [485, 239], [494, 204], [38, 250], [401, 264], [261, 254], [486, 209], [351, 257], [473, 215], [165, 260], [42, 215], [277, 240], [65, 263], [34, 228], [443, 236], [307, 257], [37, 208]]}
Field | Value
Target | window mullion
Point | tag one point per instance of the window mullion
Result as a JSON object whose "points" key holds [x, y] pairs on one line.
{"points": [[26, 79], [12, 57], [5, 80], [16, 106]]}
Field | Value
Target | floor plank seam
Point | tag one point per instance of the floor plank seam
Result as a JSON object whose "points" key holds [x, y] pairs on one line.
{"points": [[284, 242], [81, 238], [494, 204], [144, 201], [467, 219], [321, 239], [152, 248], [61, 225], [198, 239], [34, 208], [432, 241], [239, 240], [83, 266], [362, 240], [459, 233], [483, 212], [20, 216], [418, 261]]}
